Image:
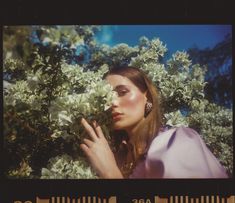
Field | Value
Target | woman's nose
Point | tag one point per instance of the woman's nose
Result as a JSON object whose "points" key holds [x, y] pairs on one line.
{"points": [[115, 102]]}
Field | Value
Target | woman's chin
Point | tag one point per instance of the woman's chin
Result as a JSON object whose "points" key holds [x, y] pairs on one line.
{"points": [[115, 127], [118, 126]]}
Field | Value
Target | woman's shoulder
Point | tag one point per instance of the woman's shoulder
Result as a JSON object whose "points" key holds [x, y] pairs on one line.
{"points": [[178, 140], [181, 130], [182, 153], [168, 135]]}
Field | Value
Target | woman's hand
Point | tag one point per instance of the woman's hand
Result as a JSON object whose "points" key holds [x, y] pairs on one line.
{"points": [[99, 153]]}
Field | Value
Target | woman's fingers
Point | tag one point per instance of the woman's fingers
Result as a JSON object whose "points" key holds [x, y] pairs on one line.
{"points": [[86, 149], [89, 129], [98, 130], [88, 142]]}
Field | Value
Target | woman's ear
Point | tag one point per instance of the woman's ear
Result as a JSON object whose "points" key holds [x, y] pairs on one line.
{"points": [[145, 96]]}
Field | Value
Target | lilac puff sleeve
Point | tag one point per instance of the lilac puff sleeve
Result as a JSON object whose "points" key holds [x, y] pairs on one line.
{"points": [[179, 153]]}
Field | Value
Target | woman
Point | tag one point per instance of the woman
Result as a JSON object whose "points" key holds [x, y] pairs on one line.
{"points": [[144, 148]]}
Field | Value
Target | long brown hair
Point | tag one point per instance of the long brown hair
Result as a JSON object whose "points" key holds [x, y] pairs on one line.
{"points": [[149, 128]]}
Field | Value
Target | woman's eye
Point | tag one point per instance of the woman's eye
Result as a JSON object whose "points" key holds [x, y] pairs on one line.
{"points": [[122, 92]]}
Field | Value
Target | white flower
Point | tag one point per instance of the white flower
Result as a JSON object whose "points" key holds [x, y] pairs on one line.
{"points": [[6, 85], [64, 167], [176, 119], [46, 40], [64, 118]]}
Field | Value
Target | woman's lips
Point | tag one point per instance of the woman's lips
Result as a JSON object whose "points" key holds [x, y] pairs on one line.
{"points": [[117, 116]]}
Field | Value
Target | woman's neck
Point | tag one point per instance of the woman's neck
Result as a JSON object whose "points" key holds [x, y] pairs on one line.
{"points": [[133, 130], [131, 133]]}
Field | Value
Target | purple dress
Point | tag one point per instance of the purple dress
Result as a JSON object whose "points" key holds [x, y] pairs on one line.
{"points": [[179, 153]]}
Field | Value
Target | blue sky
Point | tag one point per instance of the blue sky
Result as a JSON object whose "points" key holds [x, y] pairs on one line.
{"points": [[176, 37]]}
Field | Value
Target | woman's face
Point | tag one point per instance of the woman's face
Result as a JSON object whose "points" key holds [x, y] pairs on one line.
{"points": [[128, 108]]}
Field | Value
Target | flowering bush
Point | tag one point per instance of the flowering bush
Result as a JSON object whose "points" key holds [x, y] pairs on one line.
{"points": [[48, 91], [63, 167]]}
